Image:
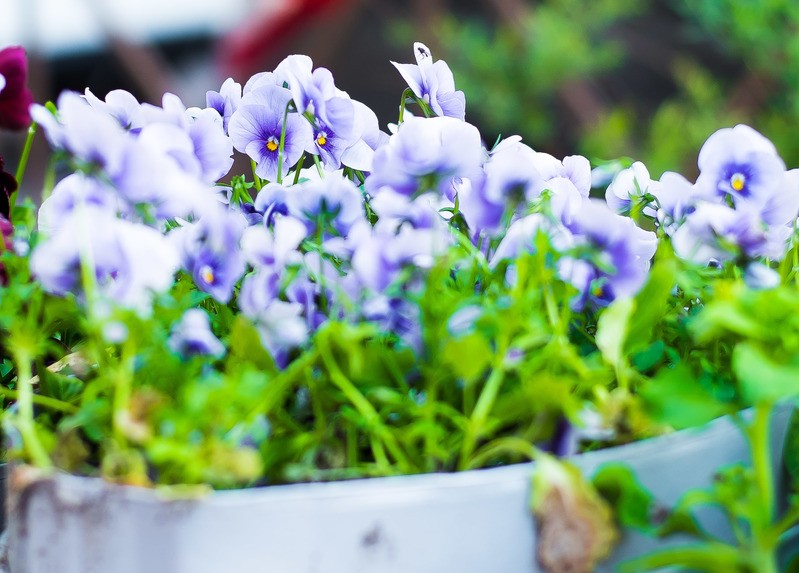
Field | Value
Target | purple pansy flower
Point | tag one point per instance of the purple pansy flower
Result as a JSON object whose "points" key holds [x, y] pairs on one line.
{"points": [[131, 261], [212, 253], [381, 252], [192, 336], [433, 83], [74, 192], [271, 202], [225, 101], [575, 168], [119, 104], [717, 233], [334, 203], [739, 165], [425, 155], [275, 246], [256, 126], [614, 255], [629, 187], [87, 133]]}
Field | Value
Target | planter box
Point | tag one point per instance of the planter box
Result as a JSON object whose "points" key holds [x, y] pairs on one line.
{"points": [[471, 522]]}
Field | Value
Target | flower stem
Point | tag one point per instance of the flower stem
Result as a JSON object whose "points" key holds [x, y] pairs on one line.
{"points": [[255, 178], [482, 409], [282, 145], [23, 160], [25, 400], [364, 407]]}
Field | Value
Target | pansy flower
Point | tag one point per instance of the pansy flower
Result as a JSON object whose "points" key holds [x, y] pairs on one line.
{"points": [[257, 125], [433, 83]]}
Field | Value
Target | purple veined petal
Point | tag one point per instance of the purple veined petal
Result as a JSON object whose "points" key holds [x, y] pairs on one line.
{"points": [[212, 147], [334, 199], [782, 208], [577, 169], [172, 141], [212, 253], [297, 71], [258, 291], [225, 101], [73, 192], [628, 185], [740, 165], [622, 253], [259, 80], [85, 132], [131, 261], [453, 104], [273, 248], [119, 104], [412, 76]]}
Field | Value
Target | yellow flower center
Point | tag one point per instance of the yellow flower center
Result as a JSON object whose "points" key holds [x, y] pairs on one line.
{"points": [[207, 274], [737, 181], [271, 144], [322, 139]]}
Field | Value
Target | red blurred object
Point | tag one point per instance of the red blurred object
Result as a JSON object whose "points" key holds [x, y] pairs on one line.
{"points": [[15, 97], [244, 51]]}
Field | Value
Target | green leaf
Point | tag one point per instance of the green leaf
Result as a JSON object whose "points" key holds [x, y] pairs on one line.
{"points": [[631, 501], [676, 398], [652, 302], [761, 378], [468, 356], [245, 346], [612, 329], [791, 449]]}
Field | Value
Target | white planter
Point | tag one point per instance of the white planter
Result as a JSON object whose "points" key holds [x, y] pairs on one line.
{"points": [[472, 522]]}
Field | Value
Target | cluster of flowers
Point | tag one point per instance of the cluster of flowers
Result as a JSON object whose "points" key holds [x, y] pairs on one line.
{"points": [[742, 207], [346, 238]]}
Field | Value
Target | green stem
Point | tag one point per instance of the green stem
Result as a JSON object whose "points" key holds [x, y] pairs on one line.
{"points": [[405, 95], [711, 557], [360, 402], [509, 445], [23, 159], [759, 441], [25, 423], [482, 409], [123, 382], [319, 166], [299, 169], [282, 145], [255, 178], [45, 401]]}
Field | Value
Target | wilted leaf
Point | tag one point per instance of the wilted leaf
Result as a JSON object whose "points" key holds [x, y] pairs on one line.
{"points": [[574, 524]]}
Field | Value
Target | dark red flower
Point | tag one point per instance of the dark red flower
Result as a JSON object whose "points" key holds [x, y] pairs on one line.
{"points": [[7, 186], [15, 97]]}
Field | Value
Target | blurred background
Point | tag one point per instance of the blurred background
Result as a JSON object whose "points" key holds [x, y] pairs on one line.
{"points": [[647, 79]]}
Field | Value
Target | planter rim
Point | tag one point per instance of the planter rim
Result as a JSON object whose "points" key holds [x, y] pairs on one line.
{"points": [[643, 452]]}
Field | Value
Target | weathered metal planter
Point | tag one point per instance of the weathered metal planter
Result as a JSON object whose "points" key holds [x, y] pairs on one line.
{"points": [[471, 522]]}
